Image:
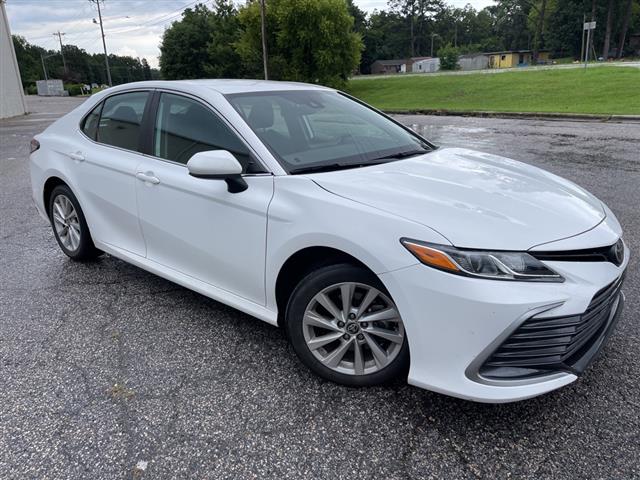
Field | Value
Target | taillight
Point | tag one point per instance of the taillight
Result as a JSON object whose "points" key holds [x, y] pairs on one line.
{"points": [[35, 145]]}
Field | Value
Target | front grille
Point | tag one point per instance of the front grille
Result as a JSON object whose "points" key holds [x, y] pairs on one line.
{"points": [[541, 345], [612, 253]]}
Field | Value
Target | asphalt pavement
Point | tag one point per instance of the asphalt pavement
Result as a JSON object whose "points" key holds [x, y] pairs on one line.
{"points": [[109, 372]]}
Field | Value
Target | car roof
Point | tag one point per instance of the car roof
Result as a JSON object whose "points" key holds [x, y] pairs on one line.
{"points": [[223, 86]]}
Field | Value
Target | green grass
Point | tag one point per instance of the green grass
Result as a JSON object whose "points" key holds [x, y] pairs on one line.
{"points": [[603, 90]]}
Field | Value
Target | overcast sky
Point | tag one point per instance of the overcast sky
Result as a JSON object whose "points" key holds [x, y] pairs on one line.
{"points": [[132, 27]]}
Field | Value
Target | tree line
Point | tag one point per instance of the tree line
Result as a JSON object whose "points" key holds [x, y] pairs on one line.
{"points": [[327, 41], [81, 67], [409, 28]]}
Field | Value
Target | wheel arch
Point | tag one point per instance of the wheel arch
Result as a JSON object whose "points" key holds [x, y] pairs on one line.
{"points": [[302, 262], [51, 183]]}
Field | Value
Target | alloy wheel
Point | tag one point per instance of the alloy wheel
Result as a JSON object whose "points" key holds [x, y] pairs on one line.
{"points": [[66, 222], [353, 328]]}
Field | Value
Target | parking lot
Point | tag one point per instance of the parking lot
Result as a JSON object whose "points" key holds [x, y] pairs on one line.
{"points": [[110, 372]]}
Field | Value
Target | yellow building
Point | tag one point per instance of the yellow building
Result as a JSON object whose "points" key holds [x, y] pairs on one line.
{"points": [[515, 58]]}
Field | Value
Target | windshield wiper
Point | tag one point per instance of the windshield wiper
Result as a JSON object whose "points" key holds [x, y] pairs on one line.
{"points": [[343, 166], [328, 168], [408, 153]]}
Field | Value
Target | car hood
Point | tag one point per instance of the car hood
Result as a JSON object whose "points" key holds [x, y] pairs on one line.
{"points": [[474, 199]]}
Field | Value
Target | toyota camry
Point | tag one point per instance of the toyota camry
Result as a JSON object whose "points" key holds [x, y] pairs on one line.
{"points": [[381, 255]]}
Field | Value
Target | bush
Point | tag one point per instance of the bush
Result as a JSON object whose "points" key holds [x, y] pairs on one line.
{"points": [[449, 57], [31, 90], [74, 89]]}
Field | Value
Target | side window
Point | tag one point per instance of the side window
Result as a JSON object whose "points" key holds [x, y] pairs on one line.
{"points": [[185, 127], [120, 120], [90, 124]]}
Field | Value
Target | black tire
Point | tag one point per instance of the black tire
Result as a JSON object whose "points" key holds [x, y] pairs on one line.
{"points": [[85, 250], [307, 289]]}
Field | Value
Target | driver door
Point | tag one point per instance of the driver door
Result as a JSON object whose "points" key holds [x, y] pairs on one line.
{"points": [[195, 226]]}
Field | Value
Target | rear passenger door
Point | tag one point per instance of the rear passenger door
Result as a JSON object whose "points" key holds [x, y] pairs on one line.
{"points": [[194, 225], [106, 161]]}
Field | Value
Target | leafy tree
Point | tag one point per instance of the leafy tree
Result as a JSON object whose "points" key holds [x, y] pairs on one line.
{"points": [[449, 57], [511, 23], [79, 68], [537, 41], [386, 38], [28, 60], [419, 15], [360, 26], [627, 15], [564, 30], [224, 26], [184, 51], [466, 28], [202, 43], [249, 45], [308, 40], [146, 69], [607, 35]]}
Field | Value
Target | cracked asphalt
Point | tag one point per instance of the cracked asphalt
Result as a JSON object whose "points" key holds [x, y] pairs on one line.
{"points": [[108, 372]]}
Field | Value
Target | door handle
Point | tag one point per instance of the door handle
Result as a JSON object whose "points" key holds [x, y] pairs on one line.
{"points": [[77, 156], [148, 177]]}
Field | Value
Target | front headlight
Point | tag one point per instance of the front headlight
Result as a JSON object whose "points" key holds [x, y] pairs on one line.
{"points": [[497, 265]]}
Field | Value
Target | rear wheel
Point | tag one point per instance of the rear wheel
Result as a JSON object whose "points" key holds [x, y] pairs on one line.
{"points": [[69, 225], [344, 326]]}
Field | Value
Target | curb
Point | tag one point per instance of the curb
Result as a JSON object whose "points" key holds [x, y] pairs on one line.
{"points": [[581, 117]]}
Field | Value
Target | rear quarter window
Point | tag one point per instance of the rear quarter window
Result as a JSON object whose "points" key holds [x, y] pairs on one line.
{"points": [[90, 123], [121, 119]]}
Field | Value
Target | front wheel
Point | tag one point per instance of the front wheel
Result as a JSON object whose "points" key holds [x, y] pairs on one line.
{"points": [[344, 326]]}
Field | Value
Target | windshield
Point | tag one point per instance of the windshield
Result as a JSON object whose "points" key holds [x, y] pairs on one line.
{"points": [[311, 130]]}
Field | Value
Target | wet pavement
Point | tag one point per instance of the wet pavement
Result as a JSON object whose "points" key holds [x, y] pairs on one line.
{"points": [[110, 372]]}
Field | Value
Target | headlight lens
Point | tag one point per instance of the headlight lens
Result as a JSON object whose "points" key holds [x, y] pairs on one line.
{"points": [[497, 265]]}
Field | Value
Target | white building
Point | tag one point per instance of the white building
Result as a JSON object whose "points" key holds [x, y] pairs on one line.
{"points": [[12, 100], [426, 65], [473, 61]]}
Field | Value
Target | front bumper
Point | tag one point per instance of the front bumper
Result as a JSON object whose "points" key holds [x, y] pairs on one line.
{"points": [[454, 324]]}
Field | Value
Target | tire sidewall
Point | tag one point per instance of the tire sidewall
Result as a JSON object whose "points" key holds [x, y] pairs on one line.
{"points": [[310, 285]]}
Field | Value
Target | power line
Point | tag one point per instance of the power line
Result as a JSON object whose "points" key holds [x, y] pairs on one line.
{"points": [[81, 37], [155, 21]]}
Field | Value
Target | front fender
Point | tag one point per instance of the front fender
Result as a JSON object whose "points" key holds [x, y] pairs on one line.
{"points": [[303, 215]]}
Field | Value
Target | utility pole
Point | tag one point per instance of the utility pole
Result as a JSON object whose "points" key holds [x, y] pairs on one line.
{"points": [[59, 34], [584, 20], [586, 52], [589, 45], [44, 68], [588, 26], [264, 38], [104, 44]]}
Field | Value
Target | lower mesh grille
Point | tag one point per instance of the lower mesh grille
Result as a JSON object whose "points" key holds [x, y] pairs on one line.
{"points": [[541, 345]]}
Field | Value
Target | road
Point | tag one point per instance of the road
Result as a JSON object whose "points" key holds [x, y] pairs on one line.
{"points": [[109, 372]]}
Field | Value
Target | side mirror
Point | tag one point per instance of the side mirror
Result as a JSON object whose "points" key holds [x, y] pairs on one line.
{"points": [[220, 165]]}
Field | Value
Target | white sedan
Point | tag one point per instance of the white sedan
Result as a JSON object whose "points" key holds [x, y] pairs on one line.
{"points": [[381, 255]]}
